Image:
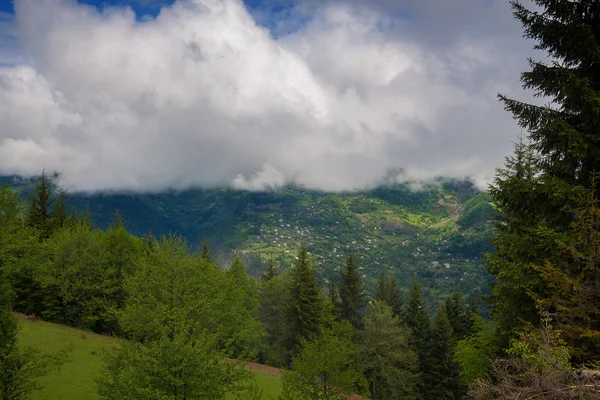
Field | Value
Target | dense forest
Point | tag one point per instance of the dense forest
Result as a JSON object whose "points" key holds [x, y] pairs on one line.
{"points": [[186, 321], [436, 231]]}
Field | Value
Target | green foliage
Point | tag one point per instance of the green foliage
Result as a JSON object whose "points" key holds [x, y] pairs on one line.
{"points": [[387, 292], [39, 214], [538, 191], [537, 367], [168, 368], [179, 314], [306, 302], [20, 368], [443, 380], [273, 313], [476, 352], [352, 295], [390, 363], [418, 320], [327, 365]]}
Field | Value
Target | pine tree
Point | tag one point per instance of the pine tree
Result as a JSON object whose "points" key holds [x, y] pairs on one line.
{"points": [[306, 302], [39, 212], [387, 292], [537, 190], [352, 294]]}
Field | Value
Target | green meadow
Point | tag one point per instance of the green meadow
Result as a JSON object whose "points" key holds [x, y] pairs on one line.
{"points": [[75, 379]]}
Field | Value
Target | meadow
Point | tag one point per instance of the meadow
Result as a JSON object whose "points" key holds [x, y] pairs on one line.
{"points": [[75, 379]]}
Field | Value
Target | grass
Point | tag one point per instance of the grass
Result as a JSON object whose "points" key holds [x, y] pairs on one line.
{"points": [[75, 379]]}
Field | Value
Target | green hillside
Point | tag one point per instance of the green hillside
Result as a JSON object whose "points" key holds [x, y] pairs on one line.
{"points": [[437, 232], [75, 379]]}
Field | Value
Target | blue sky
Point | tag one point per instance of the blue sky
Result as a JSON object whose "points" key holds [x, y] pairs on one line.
{"points": [[333, 95]]}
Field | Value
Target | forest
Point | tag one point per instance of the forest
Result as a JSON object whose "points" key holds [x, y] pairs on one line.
{"points": [[187, 322]]}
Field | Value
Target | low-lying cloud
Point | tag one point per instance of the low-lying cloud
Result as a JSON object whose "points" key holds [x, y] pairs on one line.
{"points": [[204, 96]]}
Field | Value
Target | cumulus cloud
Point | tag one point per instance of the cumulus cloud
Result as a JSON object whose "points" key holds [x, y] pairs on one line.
{"points": [[202, 95]]}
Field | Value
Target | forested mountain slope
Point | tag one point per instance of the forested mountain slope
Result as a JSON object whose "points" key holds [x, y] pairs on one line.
{"points": [[436, 232]]}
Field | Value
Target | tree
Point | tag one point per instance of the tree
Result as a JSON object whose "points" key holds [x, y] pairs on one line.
{"points": [[387, 292], [458, 316], [273, 315], [18, 248], [444, 381], [418, 320], [352, 293], [58, 215], [536, 192], [327, 366], [536, 367], [475, 353], [391, 364], [270, 272], [205, 253], [20, 368], [306, 302], [177, 308], [244, 341], [39, 214]]}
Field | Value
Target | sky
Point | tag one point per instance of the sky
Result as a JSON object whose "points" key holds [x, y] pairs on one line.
{"points": [[336, 95]]}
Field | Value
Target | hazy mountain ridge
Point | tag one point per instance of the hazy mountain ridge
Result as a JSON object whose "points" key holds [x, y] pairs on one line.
{"points": [[437, 232]]}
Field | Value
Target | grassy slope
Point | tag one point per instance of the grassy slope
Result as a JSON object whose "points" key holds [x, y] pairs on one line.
{"points": [[75, 379]]}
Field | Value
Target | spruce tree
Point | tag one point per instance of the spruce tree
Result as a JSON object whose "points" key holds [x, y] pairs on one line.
{"points": [[418, 320], [387, 292], [444, 380], [306, 307], [352, 294], [270, 272], [58, 215], [537, 191], [39, 212], [205, 253]]}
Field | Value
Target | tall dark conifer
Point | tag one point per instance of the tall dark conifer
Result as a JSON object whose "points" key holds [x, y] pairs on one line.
{"points": [[418, 320], [537, 191], [443, 376], [306, 307], [39, 212], [387, 292], [352, 294]]}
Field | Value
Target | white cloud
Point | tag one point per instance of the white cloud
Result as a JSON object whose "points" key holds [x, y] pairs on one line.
{"points": [[203, 96]]}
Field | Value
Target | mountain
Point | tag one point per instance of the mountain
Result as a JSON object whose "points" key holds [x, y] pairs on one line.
{"points": [[436, 232]]}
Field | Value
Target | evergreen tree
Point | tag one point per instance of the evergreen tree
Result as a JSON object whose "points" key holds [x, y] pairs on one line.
{"points": [[273, 314], [39, 212], [334, 299], [270, 272], [306, 303], [205, 253], [418, 320], [444, 381], [391, 364], [58, 215], [537, 191], [352, 294], [458, 316], [387, 292]]}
